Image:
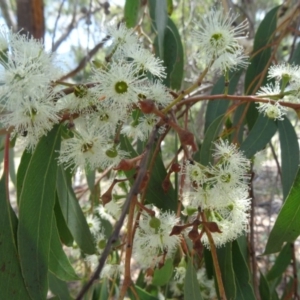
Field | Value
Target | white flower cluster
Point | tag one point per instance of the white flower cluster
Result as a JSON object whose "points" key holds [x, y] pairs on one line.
{"points": [[221, 192], [286, 89], [218, 40], [152, 240], [112, 103], [26, 95]]}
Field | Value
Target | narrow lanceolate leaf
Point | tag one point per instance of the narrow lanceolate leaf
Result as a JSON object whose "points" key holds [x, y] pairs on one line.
{"points": [[131, 12], [72, 212], [289, 154], [226, 266], [244, 290], [58, 288], [161, 18], [162, 276], [260, 134], [12, 285], [264, 288], [287, 225], [217, 108], [281, 263], [59, 264], [36, 205], [211, 135], [191, 285]]}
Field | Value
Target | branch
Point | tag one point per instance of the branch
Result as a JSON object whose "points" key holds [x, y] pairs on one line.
{"points": [[86, 59], [132, 193]]}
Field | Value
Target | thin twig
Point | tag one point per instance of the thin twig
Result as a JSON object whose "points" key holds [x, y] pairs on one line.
{"points": [[115, 234]]}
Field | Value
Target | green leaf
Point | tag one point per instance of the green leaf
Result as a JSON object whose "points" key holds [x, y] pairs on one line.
{"points": [[244, 290], [12, 171], [287, 225], [161, 19], [25, 159], [170, 7], [59, 263], [12, 285], [162, 276], [217, 108], [289, 154], [37, 200], [72, 212], [211, 135], [64, 232], [143, 294], [295, 59], [264, 289], [58, 287], [226, 266], [191, 285], [259, 61], [260, 134], [281, 263], [173, 56], [131, 12]]}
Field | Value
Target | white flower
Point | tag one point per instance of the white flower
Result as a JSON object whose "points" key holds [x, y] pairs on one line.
{"points": [[94, 224], [146, 61], [285, 70], [272, 111], [111, 211], [31, 118], [158, 92], [111, 270], [83, 149], [153, 238], [270, 90], [218, 39], [27, 70], [111, 156], [180, 274], [119, 85]]}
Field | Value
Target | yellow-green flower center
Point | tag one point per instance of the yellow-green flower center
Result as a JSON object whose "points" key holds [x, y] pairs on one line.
{"points": [[121, 87]]}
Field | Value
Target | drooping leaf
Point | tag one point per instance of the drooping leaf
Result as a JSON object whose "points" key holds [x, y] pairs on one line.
{"points": [[25, 159], [143, 294], [58, 287], [260, 134], [161, 19], [244, 290], [59, 263], [211, 135], [191, 285], [131, 12], [281, 263], [217, 108], [287, 225], [163, 275], [72, 212], [295, 59], [264, 289], [64, 232], [226, 266], [36, 209], [12, 285], [289, 154]]}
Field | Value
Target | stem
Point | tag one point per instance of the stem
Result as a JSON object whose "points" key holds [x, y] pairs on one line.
{"points": [[127, 276], [115, 234], [187, 91], [215, 260]]}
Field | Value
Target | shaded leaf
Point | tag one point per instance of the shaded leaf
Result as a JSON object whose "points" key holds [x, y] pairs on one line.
{"points": [[72, 212], [211, 135], [281, 263], [58, 287], [59, 263], [287, 225], [163, 275], [191, 285], [131, 12], [12, 285], [36, 206], [264, 289], [289, 154], [244, 290], [226, 266], [260, 134]]}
